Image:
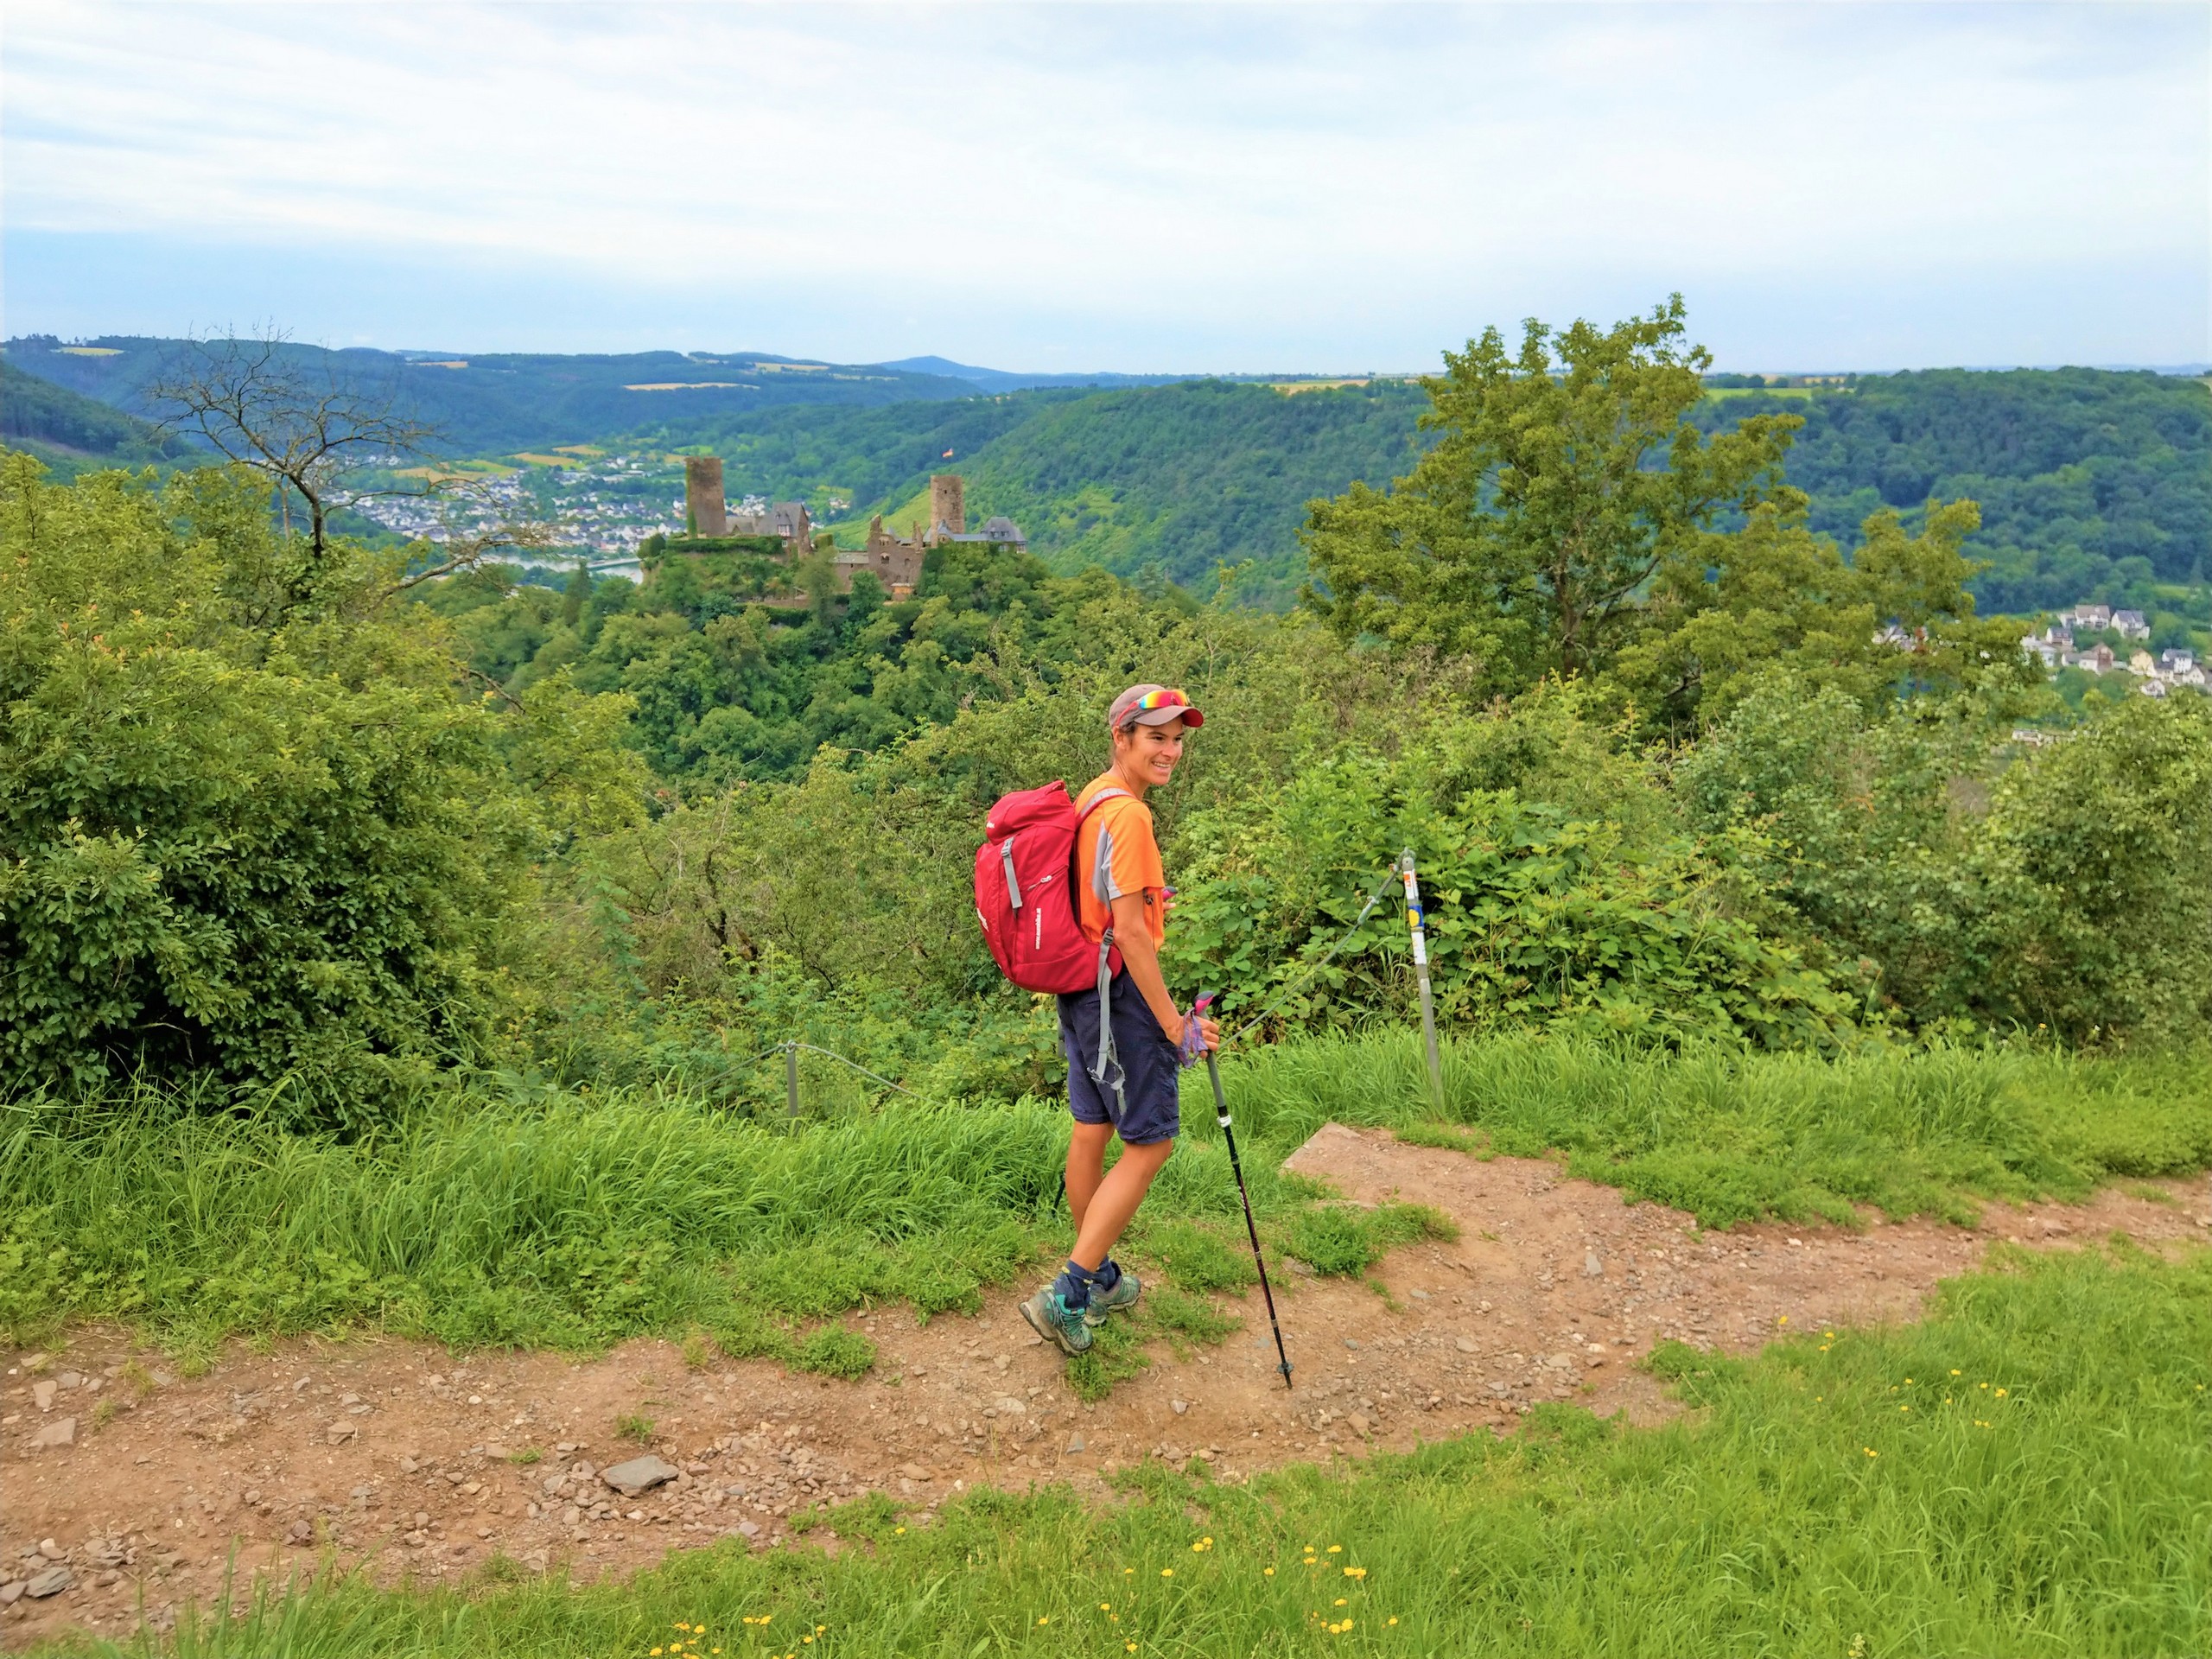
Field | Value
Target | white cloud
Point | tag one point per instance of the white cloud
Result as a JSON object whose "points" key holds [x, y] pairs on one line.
{"points": [[1238, 173]]}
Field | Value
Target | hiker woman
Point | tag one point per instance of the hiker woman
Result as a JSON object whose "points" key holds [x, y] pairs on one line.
{"points": [[1124, 1059]]}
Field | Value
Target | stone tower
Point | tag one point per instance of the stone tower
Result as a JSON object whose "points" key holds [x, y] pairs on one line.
{"points": [[946, 510], [704, 508]]}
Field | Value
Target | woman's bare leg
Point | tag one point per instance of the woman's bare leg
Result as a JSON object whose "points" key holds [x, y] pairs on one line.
{"points": [[1107, 1208], [1086, 1166]]}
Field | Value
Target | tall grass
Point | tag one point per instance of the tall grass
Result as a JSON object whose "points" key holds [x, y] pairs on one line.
{"points": [[2027, 1473], [1731, 1135], [576, 1219]]}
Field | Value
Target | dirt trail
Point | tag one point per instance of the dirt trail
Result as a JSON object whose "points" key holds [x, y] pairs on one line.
{"points": [[134, 1481]]}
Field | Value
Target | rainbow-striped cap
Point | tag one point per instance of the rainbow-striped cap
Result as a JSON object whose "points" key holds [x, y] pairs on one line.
{"points": [[1152, 705]]}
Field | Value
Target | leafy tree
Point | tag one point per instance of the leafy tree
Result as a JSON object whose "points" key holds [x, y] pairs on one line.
{"points": [[1564, 478], [1725, 612]]}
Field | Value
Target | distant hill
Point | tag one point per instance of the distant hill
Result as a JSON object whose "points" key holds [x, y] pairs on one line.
{"points": [[508, 401], [1182, 477], [1002, 380], [2092, 482], [70, 432]]}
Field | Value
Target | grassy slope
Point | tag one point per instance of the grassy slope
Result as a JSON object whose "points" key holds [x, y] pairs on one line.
{"points": [[2026, 1473], [577, 1222]]}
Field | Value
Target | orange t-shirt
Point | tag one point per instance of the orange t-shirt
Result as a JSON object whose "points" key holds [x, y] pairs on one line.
{"points": [[1116, 857]]}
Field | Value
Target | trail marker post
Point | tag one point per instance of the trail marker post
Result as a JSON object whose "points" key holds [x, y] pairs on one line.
{"points": [[1421, 970], [790, 1077]]}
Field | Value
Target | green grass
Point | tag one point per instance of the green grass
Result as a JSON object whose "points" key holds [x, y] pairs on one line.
{"points": [[574, 1221], [1730, 1136], [2065, 1517]]}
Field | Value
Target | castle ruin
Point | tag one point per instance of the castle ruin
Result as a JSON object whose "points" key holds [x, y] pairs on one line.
{"points": [[704, 513], [895, 560]]}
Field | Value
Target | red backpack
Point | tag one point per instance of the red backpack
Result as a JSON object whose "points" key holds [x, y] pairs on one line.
{"points": [[1024, 890]]}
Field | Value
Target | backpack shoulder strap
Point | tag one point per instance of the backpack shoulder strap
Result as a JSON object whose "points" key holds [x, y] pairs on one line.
{"points": [[1099, 800]]}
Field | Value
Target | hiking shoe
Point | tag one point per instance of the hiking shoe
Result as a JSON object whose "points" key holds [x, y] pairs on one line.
{"points": [[1051, 1318], [1102, 1302]]}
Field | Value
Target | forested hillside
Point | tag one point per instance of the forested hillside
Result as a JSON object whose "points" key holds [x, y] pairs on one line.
{"points": [[1180, 479], [69, 431], [2091, 484], [507, 401]]}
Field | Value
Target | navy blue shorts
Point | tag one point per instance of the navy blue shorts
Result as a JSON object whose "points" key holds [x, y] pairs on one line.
{"points": [[1148, 1107]]}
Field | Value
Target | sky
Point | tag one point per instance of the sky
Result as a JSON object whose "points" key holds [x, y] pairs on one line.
{"points": [[1239, 188]]}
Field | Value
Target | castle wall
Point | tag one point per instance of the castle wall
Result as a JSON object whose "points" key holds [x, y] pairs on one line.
{"points": [[947, 507], [705, 511]]}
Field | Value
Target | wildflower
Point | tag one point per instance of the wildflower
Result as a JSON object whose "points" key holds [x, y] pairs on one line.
{"points": [[1393, 1619], [656, 1653], [1105, 1606], [1908, 1382], [1354, 1571], [897, 1532], [1336, 1549], [2001, 1394], [1127, 1571], [1904, 1407], [1131, 1646], [1167, 1572], [1266, 1572], [1340, 1601], [1954, 1370], [1042, 1618], [1871, 1453]]}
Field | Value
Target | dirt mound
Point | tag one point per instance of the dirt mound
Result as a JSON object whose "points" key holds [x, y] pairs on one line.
{"points": [[118, 1479]]}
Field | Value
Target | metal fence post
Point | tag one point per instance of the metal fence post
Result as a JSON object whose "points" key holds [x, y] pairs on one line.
{"points": [[1421, 970], [791, 1075]]}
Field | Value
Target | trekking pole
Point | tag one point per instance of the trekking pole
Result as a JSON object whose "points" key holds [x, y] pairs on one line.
{"points": [[1420, 969], [1252, 1228]]}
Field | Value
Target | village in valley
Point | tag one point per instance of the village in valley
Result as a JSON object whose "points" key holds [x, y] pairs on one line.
{"points": [[2083, 638]]}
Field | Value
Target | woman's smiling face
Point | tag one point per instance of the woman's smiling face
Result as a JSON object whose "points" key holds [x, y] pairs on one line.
{"points": [[1149, 753]]}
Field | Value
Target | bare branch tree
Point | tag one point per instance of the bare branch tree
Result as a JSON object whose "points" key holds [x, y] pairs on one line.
{"points": [[299, 423]]}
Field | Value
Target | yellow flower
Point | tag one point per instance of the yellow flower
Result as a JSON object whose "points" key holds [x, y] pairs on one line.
{"points": [[1340, 1601], [1904, 1407], [1336, 1549], [1954, 1370], [1043, 1618], [1131, 1646], [1871, 1453], [1393, 1619], [1127, 1570], [1908, 1382], [1105, 1606], [1167, 1572], [1266, 1572], [898, 1531], [656, 1653], [2001, 1394]]}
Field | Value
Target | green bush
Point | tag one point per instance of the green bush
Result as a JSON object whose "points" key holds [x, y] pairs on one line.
{"points": [[237, 842]]}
